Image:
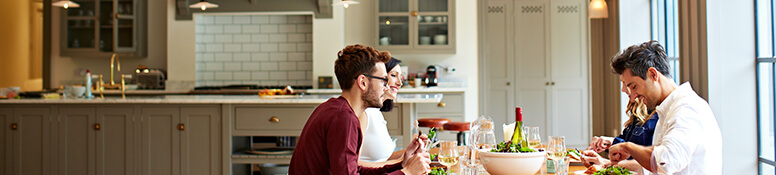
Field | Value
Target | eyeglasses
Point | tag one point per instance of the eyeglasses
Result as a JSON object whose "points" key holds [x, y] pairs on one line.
{"points": [[385, 80]]}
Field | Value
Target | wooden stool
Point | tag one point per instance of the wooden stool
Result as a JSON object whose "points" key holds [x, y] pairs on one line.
{"points": [[461, 127], [434, 124]]}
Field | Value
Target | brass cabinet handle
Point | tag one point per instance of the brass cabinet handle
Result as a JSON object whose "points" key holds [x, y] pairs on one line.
{"points": [[546, 83], [274, 119], [181, 127], [97, 126], [414, 13], [441, 104], [117, 16], [14, 126], [553, 83], [508, 83]]}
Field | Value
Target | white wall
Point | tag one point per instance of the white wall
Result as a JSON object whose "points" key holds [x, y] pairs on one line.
{"points": [[360, 25], [181, 47], [732, 91]]}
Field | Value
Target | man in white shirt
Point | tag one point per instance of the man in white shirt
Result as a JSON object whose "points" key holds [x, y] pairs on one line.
{"points": [[687, 139]]}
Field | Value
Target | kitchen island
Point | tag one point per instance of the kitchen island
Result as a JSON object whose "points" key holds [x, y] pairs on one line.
{"points": [[171, 134]]}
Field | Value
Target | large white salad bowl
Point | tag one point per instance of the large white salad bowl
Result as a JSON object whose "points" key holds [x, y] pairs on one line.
{"points": [[512, 163]]}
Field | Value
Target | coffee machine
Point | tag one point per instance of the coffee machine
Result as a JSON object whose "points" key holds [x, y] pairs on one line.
{"points": [[431, 76]]}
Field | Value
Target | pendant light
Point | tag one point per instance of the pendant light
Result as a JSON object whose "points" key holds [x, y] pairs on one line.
{"points": [[65, 4], [202, 4], [344, 3], [598, 9]]}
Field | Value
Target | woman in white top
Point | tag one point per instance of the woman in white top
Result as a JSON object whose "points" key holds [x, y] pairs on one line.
{"points": [[377, 147]]}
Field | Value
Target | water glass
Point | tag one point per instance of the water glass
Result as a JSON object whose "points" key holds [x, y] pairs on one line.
{"points": [[562, 166], [556, 150]]}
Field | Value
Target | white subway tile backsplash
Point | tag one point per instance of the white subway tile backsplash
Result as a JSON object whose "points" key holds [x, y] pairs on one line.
{"points": [[269, 47], [287, 28], [251, 28], [232, 47], [232, 66], [278, 75], [241, 56], [242, 76], [238, 19], [259, 19], [251, 66], [278, 19], [223, 76], [223, 57], [241, 38], [269, 28], [278, 38], [251, 47], [223, 38], [223, 19], [287, 47], [278, 57], [254, 49]]}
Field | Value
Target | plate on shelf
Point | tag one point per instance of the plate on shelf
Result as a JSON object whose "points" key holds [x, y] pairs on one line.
{"points": [[271, 151]]}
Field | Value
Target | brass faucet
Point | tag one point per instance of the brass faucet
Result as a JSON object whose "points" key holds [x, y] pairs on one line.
{"points": [[123, 85], [113, 58], [100, 85]]}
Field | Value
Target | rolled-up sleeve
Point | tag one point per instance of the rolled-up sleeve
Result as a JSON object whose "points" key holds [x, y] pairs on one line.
{"points": [[680, 140]]}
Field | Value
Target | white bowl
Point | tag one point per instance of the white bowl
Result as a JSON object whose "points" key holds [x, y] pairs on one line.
{"points": [[512, 163]]}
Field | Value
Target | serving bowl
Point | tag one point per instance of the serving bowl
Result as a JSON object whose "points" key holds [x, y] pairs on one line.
{"points": [[497, 163]]}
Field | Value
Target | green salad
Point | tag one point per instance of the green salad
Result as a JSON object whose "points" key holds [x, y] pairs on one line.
{"points": [[509, 147], [613, 170], [439, 171]]}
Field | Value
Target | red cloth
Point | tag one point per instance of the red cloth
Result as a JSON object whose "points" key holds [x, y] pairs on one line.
{"points": [[330, 143]]}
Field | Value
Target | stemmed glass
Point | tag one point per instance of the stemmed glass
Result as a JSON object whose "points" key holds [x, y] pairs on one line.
{"points": [[448, 153], [534, 139], [556, 150]]}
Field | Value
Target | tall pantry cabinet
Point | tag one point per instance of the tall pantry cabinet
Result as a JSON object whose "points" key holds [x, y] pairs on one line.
{"points": [[536, 56]]}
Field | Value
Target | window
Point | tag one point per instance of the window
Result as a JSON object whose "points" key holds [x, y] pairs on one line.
{"points": [[665, 30], [766, 79]]}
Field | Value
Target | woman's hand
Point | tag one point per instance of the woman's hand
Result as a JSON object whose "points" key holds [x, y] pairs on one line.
{"points": [[600, 144], [592, 158]]}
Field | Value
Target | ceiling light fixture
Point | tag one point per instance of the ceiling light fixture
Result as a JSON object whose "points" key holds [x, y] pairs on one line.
{"points": [[345, 3], [65, 4], [202, 4], [598, 9]]}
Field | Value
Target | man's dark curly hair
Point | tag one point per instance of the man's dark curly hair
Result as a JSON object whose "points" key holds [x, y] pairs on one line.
{"points": [[355, 60], [639, 58]]}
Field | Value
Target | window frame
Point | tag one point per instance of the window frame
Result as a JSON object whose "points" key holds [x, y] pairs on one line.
{"points": [[759, 60], [666, 34]]}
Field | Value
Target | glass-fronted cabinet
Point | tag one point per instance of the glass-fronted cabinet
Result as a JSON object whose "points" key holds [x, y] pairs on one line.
{"points": [[103, 27], [416, 26]]}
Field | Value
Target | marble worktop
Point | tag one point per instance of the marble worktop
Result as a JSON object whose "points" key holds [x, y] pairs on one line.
{"points": [[219, 99], [401, 91]]}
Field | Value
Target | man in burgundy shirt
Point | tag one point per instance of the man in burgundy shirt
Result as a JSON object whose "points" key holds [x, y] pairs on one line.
{"points": [[331, 138]]}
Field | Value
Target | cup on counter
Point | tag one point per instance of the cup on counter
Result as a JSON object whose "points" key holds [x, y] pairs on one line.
{"points": [[417, 83]]}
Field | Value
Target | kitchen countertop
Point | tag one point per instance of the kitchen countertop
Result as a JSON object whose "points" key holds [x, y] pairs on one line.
{"points": [[401, 91], [219, 99]]}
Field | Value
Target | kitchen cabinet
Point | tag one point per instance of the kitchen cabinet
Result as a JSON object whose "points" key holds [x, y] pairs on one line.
{"points": [[180, 140], [95, 140], [27, 140], [5, 140], [539, 60], [415, 26], [103, 27]]}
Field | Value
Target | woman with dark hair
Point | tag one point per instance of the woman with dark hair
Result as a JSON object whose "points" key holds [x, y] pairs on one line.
{"points": [[378, 147]]}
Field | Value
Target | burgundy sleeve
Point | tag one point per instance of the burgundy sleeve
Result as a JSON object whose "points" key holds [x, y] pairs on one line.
{"points": [[342, 143], [394, 169]]}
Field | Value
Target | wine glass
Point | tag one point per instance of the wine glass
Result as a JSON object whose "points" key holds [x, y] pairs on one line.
{"points": [[534, 139], [448, 153], [556, 150]]}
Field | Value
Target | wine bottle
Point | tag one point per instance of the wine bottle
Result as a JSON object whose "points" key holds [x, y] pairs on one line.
{"points": [[517, 136]]}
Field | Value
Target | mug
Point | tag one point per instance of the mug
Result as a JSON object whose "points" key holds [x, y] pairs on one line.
{"points": [[385, 40], [425, 40]]}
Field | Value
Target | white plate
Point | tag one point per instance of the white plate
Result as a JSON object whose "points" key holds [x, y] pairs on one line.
{"points": [[580, 172]]}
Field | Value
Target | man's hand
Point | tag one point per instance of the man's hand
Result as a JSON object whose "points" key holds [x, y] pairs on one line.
{"points": [[599, 144], [417, 164], [619, 152], [592, 158], [417, 146]]}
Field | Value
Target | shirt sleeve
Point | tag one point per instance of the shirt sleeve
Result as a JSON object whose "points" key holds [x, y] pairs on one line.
{"points": [[342, 140], [393, 169], [678, 144]]}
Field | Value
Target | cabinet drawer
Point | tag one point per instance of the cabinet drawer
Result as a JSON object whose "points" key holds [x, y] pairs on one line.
{"points": [[263, 118], [451, 103]]}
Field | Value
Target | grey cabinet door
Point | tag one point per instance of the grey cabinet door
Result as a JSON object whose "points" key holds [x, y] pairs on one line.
{"points": [[6, 115], [115, 148], [160, 144], [32, 140], [75, 145], [200, 140]]}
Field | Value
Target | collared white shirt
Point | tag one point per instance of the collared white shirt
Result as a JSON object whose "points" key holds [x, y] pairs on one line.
{"points": [[377, 144], [687, 139]]}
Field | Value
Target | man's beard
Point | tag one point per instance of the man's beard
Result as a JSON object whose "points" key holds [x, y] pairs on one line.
{"points": [[372, 99]]}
